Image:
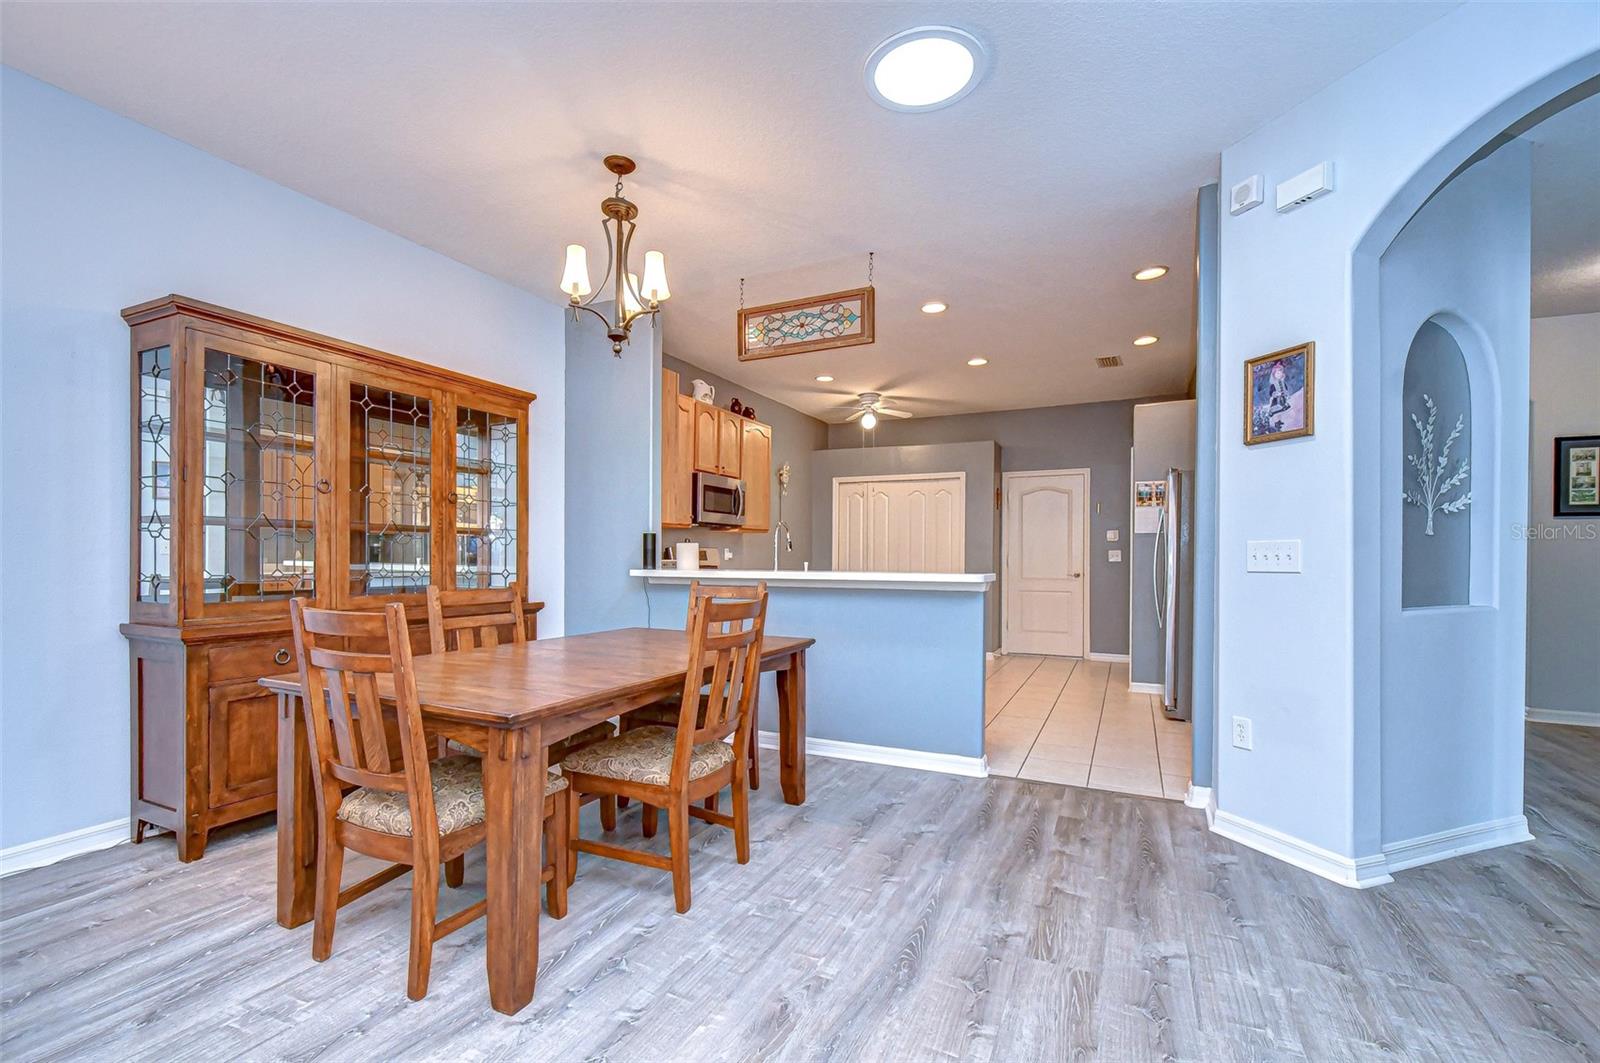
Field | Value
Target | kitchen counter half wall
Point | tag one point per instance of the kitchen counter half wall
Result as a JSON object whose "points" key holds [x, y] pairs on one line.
{"points": [[896, 676]]}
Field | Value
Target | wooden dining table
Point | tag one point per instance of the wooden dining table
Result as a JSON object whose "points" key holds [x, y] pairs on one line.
{"points": [[513, 701]]}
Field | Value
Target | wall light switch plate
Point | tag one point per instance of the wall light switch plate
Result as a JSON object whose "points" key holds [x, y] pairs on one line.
{"points": [[727, 554], [1112, 535], [1113, 555], [1273, 555], [1243, 738]]}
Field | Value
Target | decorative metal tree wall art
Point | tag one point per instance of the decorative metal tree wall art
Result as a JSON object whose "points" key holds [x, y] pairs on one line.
{"points": [[1434, 480]]}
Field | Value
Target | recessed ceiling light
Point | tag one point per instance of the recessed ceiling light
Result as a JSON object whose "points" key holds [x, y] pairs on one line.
{"points": [[925, 68], [824, 379], [977, 361], [934, 306], [1150, 273], [1144, 341]]}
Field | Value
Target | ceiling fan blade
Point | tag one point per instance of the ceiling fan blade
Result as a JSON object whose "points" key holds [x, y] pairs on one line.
{"points": [[855, 416], [884, 411]]}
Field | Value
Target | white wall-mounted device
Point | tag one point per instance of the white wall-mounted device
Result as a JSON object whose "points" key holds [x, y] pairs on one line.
{"points": [[1245, 194], [1302, 188], [1273, 555]]}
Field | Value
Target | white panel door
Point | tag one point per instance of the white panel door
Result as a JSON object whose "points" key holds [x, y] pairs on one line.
{"points": [[850, 527], [900, 524], [1044, 589]]}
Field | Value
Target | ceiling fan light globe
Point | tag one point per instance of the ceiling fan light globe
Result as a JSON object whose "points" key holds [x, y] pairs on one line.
{"points": [[869, 420]]}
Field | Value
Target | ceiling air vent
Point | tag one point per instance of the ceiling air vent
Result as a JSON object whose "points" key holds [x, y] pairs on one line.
{"points": [[1109, 362]]}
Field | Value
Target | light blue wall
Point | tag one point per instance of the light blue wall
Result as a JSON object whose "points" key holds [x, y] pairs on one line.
{"points": [[1207, 209], [1452, 676], [613, 472], [934, 701], [99, 213], [1299, 654], [1563, 555]]}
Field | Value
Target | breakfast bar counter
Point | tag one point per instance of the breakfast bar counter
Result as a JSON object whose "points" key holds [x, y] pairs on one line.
{"points": [[896, 675]]}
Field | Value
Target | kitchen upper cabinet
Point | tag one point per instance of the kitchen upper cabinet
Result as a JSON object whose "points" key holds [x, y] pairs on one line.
{"points": [[706, 437], [699, 437], [677, 454], [755, 459], [730, 441]]}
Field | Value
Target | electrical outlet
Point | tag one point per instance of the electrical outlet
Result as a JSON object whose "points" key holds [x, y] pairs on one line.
{"points": [[1242, 736], [1272, 555], [1114, 556]]}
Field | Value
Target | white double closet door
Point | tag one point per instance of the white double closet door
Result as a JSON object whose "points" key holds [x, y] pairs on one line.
{"points": [[900, 523]]}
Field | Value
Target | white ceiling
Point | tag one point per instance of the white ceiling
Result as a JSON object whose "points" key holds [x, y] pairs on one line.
{"points": [[477, 130], [1566, 211]]}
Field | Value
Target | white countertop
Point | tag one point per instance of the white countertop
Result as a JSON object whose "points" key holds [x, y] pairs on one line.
{"points": [[969, 582]]}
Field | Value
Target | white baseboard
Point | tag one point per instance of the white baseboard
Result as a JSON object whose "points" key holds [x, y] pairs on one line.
{"points": [[1359, 872], [1201, 797], [989, 656], [1415, 852], [948, 763], [1145, 688], [58, 847], [1566, 716], [1112, 658]]}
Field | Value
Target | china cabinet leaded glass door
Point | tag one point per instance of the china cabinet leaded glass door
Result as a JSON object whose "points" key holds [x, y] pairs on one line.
{"points": [[394, 455], [258, 474], [488, 494]]}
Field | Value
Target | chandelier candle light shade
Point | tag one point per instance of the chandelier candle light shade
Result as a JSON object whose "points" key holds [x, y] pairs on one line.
{"points": [[631, 300]]}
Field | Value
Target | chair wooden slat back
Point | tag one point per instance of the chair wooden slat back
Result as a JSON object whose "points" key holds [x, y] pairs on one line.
{"points": [[339, 674], [725, 636], [466, 620], [699, 591]]}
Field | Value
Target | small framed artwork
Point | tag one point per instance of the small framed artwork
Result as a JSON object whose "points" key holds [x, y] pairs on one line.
{"points": [[1279, 395], [1577, 476], [838, 319]]}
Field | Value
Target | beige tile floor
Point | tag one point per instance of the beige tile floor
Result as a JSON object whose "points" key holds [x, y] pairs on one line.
{"points": [[1062, 720]]}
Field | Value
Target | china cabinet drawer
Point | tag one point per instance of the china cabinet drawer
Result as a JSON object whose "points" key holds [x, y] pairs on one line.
{"points": [[250, 660]]}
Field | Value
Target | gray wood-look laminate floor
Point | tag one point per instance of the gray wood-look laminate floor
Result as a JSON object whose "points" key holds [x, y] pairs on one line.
{"points": [[898, 915]]}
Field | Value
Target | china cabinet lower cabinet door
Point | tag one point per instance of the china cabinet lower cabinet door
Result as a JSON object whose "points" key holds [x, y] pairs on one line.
{"points": [[242, 744]]}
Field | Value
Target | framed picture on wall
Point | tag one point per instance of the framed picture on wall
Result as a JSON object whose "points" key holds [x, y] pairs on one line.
{"points": [[1279, 395], [1577, 476]]}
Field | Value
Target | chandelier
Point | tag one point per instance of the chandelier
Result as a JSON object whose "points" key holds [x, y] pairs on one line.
{"points": [[632, 300]]}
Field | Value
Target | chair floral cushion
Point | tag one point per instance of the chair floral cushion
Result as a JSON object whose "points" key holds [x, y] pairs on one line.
{"points": [[457, 799], [645, 755]]}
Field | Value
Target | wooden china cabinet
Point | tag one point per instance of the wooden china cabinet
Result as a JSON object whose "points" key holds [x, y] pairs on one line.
{"points": [[271, 463]]}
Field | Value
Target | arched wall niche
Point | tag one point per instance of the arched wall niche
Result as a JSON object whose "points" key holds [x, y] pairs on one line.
{"points": [[1447, 448]]}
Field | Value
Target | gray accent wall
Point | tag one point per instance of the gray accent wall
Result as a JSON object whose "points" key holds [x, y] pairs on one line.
{"points": [[1163, 439], [794, 437], [1563, 555], [980, 462], [1094, 435]]}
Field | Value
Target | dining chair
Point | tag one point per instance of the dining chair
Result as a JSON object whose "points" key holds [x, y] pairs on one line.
{"points": [[673, 767], [417, 816], [664, 713], [470, 619]]}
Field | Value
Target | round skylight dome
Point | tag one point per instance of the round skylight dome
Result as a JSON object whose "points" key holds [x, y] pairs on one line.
{"points": [[925, 68]]}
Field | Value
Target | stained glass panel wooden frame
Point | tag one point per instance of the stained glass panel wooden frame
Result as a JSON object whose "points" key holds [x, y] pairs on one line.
{"points": [[762, 329]]}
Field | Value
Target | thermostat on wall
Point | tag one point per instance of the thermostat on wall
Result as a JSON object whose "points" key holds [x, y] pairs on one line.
{"points": [[1245, 195], [1303, 188]]}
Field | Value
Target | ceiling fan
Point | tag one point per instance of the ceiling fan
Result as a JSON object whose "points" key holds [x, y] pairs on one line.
{"points": [[869, 408]]}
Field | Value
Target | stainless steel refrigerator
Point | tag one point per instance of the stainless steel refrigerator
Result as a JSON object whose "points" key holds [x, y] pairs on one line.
{"points": [[1172, 584]]}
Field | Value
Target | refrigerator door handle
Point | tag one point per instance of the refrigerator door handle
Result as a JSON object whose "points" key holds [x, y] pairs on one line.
{"points": [[1155, 570], [1169, 673]]}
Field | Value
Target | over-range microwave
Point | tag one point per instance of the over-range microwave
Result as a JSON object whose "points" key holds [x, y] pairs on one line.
{"points": [[718, 500]]}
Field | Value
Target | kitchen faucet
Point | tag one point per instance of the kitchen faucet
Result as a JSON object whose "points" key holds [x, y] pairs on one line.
{"points": [[787, 539]]}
